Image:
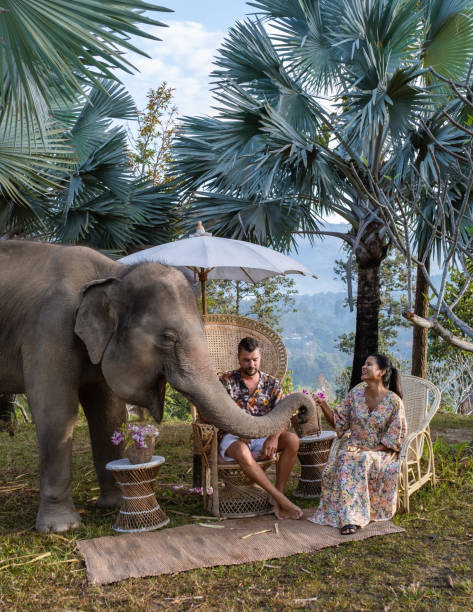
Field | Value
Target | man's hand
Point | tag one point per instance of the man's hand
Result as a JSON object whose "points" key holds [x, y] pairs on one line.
{"points": [[270, 446]]}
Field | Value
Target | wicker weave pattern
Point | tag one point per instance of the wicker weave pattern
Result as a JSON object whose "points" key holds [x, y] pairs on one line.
{"points": [[419, 396], [224, 332], [416, 460], [237, 497], [313, 455], [139, 509]]}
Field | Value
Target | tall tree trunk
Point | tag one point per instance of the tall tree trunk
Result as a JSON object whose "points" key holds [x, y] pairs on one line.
{"points": [[369, 253], [367, 315], [420, 335]]}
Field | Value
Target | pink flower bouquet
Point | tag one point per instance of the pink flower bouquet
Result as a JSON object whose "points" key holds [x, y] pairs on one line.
{"points": [[129, 433]]}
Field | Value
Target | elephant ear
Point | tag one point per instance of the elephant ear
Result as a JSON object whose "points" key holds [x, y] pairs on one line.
{"points": [[96, 319]]}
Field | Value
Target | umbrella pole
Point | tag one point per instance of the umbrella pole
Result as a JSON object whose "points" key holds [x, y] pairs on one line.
{"points": [[203, 279]]}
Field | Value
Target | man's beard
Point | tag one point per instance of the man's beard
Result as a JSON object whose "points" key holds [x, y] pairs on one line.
{"points": [[250, 371]]}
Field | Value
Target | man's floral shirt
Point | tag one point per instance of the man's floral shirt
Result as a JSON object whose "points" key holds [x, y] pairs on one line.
{"points": [[265, 397]]}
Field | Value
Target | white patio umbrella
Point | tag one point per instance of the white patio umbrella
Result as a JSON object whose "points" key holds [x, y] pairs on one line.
{"points": [[211, 258]]}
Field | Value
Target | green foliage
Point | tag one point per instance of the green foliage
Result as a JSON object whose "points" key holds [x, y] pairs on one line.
{"points": [[265, 301], [438, 349], [176, 406], [453, 374], [51, 54], [287, 383], [262, 169], [263, 163], [102, 204], [342, 383], [151, 147]]}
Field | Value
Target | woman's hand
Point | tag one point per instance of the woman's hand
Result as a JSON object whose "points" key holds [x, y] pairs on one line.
{"points": [[325, 409]]}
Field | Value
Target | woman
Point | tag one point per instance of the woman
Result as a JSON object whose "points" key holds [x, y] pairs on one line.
{"points": [[359, 485]]}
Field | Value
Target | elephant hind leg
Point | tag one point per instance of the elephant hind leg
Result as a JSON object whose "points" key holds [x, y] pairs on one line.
{"points": [[105, 413]]}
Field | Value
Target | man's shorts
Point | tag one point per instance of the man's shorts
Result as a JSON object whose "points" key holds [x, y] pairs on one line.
{"points": [[255, 445]]}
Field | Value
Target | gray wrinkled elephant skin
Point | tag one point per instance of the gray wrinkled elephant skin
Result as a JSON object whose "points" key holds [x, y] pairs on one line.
{"points": [[76, 326]]}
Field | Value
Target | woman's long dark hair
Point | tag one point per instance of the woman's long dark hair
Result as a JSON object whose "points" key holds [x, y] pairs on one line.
{"points": [[392, 378]]}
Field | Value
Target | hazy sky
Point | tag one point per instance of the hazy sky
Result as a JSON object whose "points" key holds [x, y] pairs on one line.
{"points": [[183, 58]]}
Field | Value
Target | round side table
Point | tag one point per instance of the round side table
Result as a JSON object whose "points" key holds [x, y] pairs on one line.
{"points": [[313, 455], [139, 510]]}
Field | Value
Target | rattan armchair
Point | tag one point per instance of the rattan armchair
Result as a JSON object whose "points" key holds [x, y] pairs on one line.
{"points": [[416, 459], [232, 494]]}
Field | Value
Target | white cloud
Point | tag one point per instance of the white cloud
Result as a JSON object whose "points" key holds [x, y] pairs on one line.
{"points": [[183, 58]]}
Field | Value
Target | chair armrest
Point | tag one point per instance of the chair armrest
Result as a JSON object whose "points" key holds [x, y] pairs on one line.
{"points": [[408, 441]]}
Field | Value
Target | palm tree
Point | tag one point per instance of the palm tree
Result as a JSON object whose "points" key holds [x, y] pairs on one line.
{"points": [[275, 157], [101, 203], [52, 52]]}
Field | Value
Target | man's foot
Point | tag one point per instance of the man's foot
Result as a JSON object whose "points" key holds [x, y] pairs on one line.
{"points": [[286, 510], [349, 529]]}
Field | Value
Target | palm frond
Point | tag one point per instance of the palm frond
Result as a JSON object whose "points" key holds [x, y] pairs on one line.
{"points": [[248, 56], [279, 8], [449, 37], [30, 164], [53, 49], [258, 220]]}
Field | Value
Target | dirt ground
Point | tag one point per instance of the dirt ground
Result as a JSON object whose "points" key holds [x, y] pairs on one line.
{"points": [[452, 435]]}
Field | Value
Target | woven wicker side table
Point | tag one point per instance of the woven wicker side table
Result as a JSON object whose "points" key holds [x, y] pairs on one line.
{"points": [[313, 455], [140, 510]]}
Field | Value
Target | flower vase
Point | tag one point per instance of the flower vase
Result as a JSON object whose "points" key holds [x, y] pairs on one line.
{"points": [[138, 454]]}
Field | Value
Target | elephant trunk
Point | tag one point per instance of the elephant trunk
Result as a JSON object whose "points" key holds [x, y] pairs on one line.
{"points": [[217, 407]]}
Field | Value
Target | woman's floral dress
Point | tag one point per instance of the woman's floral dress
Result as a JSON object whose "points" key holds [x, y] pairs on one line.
{"points": [[361, 486]]}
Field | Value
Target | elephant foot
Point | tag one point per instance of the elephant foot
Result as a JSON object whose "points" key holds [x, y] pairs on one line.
{"points": [[110, 499], [56, 518]]}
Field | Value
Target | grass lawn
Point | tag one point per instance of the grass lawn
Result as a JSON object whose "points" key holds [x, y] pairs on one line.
{"points": [[429, 567]]}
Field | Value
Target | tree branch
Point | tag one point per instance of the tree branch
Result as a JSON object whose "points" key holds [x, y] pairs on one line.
{"points": [[435, 326]]}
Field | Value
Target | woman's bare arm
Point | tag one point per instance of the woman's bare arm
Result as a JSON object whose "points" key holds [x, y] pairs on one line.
{"points": [[328, 412]]}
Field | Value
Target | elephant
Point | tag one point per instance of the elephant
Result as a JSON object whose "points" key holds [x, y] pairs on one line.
{"points": [[79, 327]]}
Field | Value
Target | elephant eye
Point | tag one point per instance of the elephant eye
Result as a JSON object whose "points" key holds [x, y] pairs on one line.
{"points": [[169, 337]]}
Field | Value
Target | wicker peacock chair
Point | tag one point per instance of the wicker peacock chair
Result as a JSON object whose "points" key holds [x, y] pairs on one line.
{"points": [[233, 495]]}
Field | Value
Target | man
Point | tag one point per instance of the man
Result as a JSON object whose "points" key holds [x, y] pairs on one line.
{"points": [[258, 393]]}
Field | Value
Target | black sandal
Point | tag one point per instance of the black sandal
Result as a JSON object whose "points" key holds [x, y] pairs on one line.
{"points": [[349, 529]]}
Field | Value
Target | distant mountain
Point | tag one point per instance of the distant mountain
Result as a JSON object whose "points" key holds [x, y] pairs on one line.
{"points": [[320, 259], [310, 335]]}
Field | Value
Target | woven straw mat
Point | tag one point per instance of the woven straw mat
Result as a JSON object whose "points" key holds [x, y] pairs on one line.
{"points": [[114, 558]]}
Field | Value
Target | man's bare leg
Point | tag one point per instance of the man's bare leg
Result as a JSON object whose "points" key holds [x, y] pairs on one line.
{"points": [[288, 445], [284, 507]]}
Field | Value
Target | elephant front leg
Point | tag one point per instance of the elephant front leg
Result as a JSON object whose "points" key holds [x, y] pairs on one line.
{"points": [[55, 419], [105, 414]]}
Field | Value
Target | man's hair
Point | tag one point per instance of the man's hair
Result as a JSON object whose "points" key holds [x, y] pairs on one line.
{"points": [[248, 344]]}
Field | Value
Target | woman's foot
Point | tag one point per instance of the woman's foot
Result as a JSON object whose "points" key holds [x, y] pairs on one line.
{"points": [[349, 529]]}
